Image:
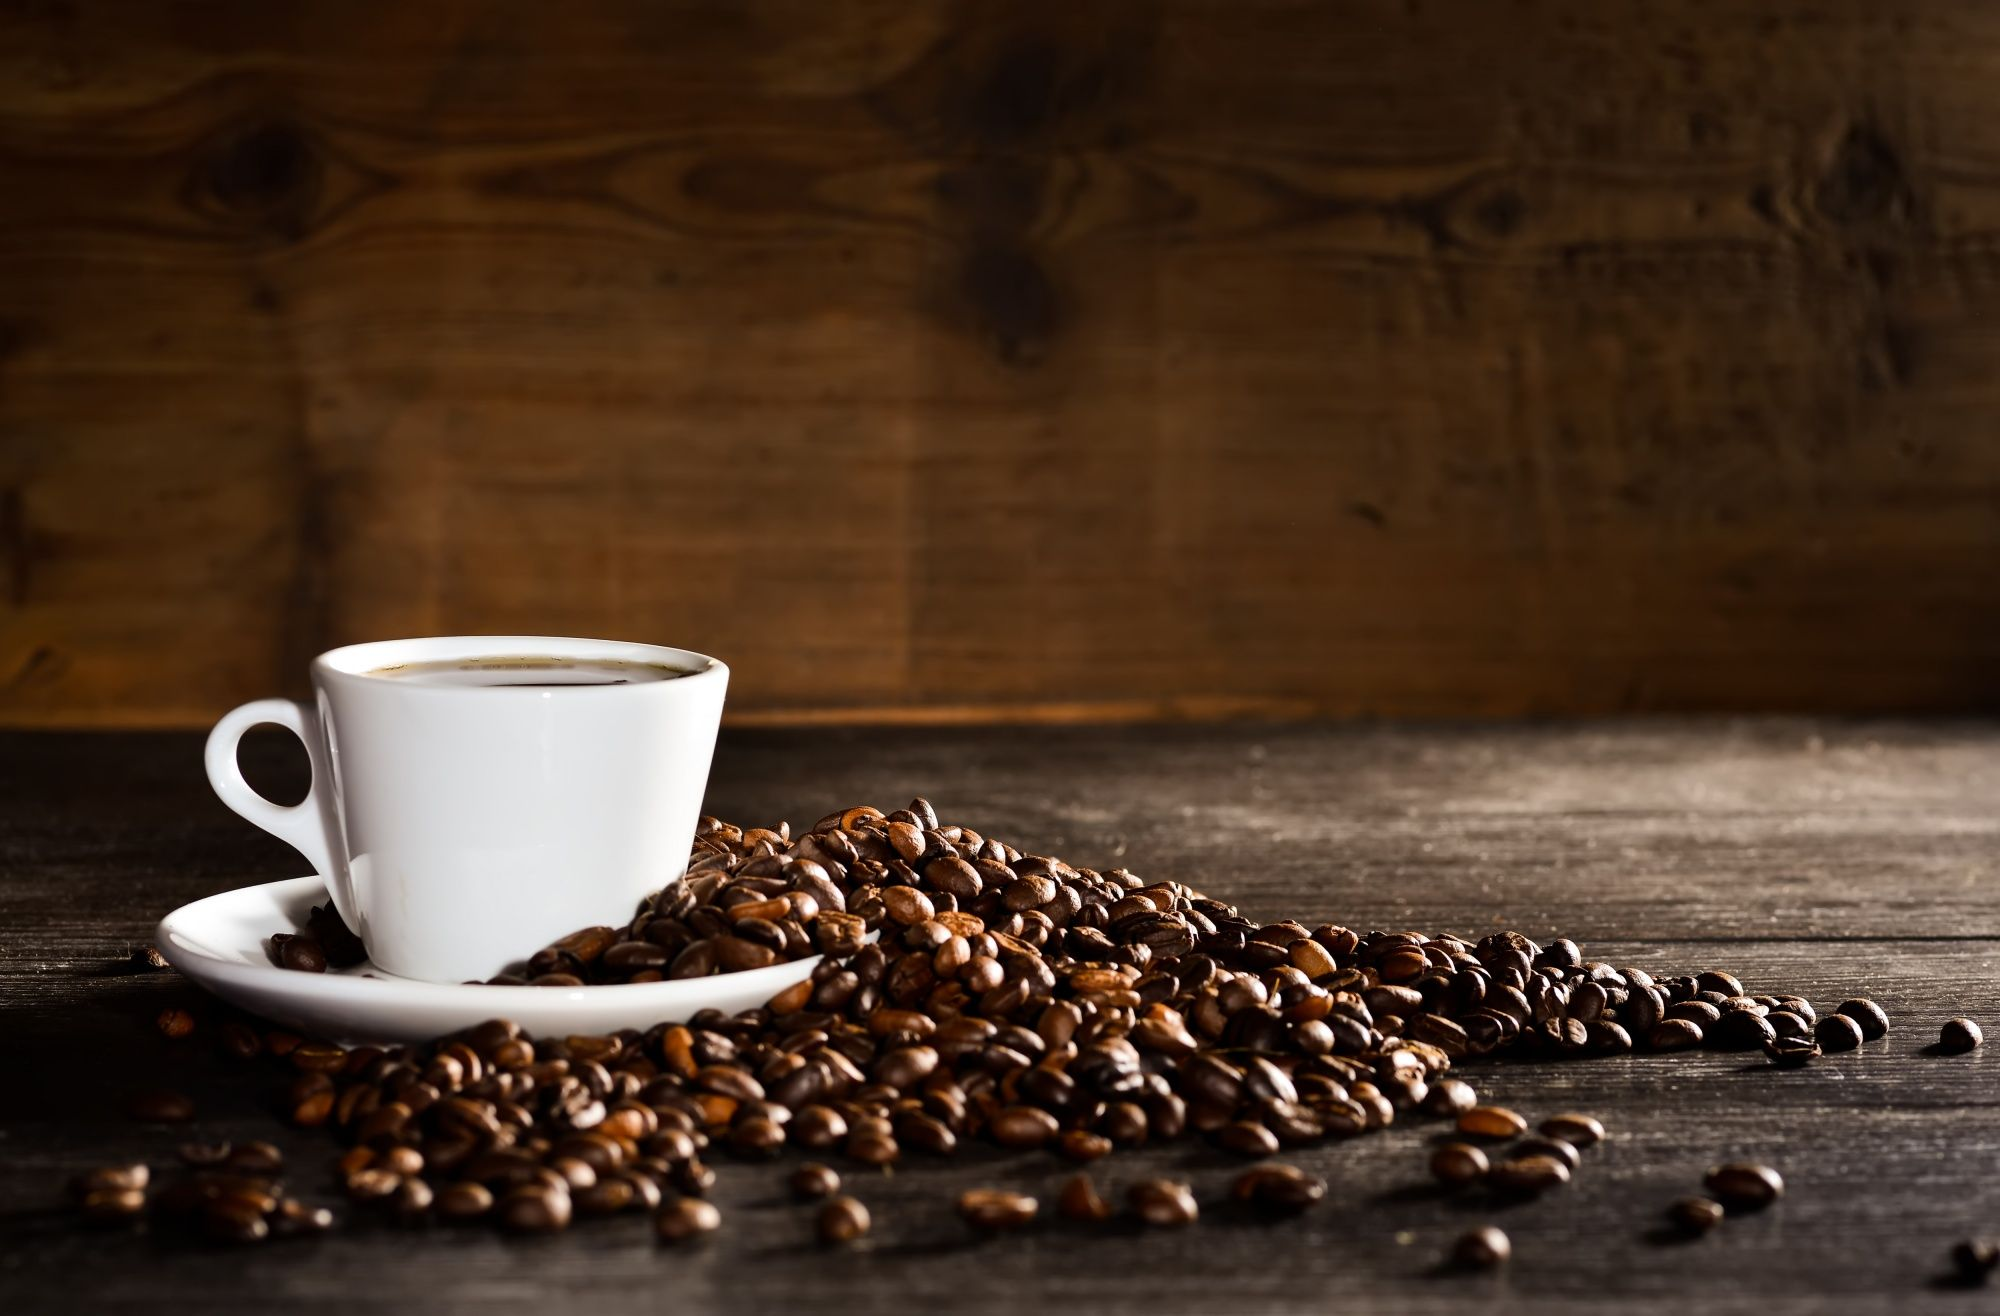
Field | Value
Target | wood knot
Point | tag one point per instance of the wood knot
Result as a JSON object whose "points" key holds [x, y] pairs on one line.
{"points": [[1863, 183], [263, 176]]}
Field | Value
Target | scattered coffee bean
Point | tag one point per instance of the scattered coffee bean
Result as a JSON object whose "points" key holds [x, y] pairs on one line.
{"points": [[688, 1217], [1791, 1052], [1485, 1248], [1528, 1174], [842, 1220], [1576, 1130], [1837, 1032], [1458, 1164], [1082, 1145], [1873, 1019], [298, 951], [1744, 1185], [1079, 1200], [1695, 1215], [1279, 1189], [175, 1022], [1958, 1036], [160, 1106], [1162, 1203], [814, 1180], [1491, 1122], [994, 1209], [1449, 1098], [1565, 1152], [148, 958], [1975, 1259]]}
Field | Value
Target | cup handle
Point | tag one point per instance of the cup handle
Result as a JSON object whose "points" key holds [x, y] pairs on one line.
{"points": [[301, 826]]}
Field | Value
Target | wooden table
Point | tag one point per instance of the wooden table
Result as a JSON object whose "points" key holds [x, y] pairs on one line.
{"points": [[1834, 859]]}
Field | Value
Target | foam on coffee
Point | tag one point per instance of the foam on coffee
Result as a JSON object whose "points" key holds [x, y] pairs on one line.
{"points": [[527, 670]]}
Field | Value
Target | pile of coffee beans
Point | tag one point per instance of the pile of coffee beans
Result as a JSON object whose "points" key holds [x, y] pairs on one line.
{"points": [[1009, 998]]}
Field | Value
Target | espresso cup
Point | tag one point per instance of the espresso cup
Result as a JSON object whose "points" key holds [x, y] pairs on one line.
{"points": [[460, 827]]}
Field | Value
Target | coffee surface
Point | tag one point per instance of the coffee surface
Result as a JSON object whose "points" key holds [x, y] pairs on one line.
{"points": [[529, 670]]}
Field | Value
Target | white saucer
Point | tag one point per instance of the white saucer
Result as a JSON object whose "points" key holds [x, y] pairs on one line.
{"points": [[220, 943]]}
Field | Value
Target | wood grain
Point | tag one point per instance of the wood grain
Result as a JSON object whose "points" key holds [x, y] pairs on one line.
{"points": [[1009, 359], [1887, 1152]]}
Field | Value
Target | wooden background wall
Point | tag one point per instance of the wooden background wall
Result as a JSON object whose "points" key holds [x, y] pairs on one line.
{"points": [[1099, 357]]}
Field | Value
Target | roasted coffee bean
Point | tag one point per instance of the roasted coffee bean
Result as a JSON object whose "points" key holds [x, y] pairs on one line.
{"points": [[175, 1022], [685, 1218], [1245, 1138], [1528, 1174], [148, 959], [1740, 1030], [1449, 1098], [132, 1177], [1458, 1164], [535, 1208], [1874, 1021], [1744, 1185], [1278, 1189], [1023, 1127], [1491, 1122], [1082, 1145], [464, 1201], [1676, 1034], [240, 1040], [1485, 1248], [1079, 1200], [1695, 1215], [1837, 1032], [993, 1209], [159, 1106], [234, 1220], [1975, 1259], [1565, 1152], [112, 1206], [842, 1220], [294, 1218], [1576, 1130], [1791, 1052], [814, 1180], [1959, 1036], [1163, 1203]]}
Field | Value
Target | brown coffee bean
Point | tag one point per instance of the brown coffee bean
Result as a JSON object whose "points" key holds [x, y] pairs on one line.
{"points": [[1082, 1145], [814, 1180], [1458, 1164], [234, 1220], [1695, 1215], [1791, 1052], [1744, 1185], [464, 1201], [994, 1209], [294, 1219], [1837, 1032], [1279, 1189], [842, 1220], [1959, 1036], [131, 1177], [1449, 1098], [1674, 1035], [685, 1218], [1974, 1260], [1162, 1203], [1491, 1122], [1079, 1200], [175, 1022], [1023, 1127], [1874, 1021], [1528, 1174], [1485, 1248], [105, 1205], [159, 1106], [1576, 1130]]}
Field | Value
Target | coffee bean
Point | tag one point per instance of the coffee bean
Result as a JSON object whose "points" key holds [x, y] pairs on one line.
{"points": [[464, 1201], [1873, 1019], [1837, 1032], [1449, 1098], [1958, 1036], [1744, 1185], [1695, 1215], [175, 1022], [148, 959], [294, 1218], [301, 953], [1740, 1030], [126, 1178], [814, 1180], [1082, 1145], [1791, 1052], [1162, 1203], [685, 1218], [112, 1206], [842, 1220], [159, 1106], [1079, 1200], [1278, 1189], [535, 1208], [1565, 1152], [1246, 1138], [234, 1220], [1023, 1127], [1458, 1164], [1576, 1130], [1491, 1122], [1528, 1174], [1975, 1259], [993, 1209], [1674, 1035], [1485, 1248]]}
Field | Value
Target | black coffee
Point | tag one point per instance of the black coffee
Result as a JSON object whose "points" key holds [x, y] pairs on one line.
{"points": [[531, 671]]}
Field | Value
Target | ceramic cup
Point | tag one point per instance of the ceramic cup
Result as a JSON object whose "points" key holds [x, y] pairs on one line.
{"points": [[460, 827]]}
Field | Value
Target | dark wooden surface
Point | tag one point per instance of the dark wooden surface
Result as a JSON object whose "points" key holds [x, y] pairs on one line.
{"points": [[1020, 358], [1828, 858]]}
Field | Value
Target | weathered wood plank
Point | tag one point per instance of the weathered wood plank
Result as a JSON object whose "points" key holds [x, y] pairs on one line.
{"points": [[1044, 359]]}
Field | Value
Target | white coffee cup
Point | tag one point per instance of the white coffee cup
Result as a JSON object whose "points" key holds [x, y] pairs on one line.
{"points": [[461, 827]]}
